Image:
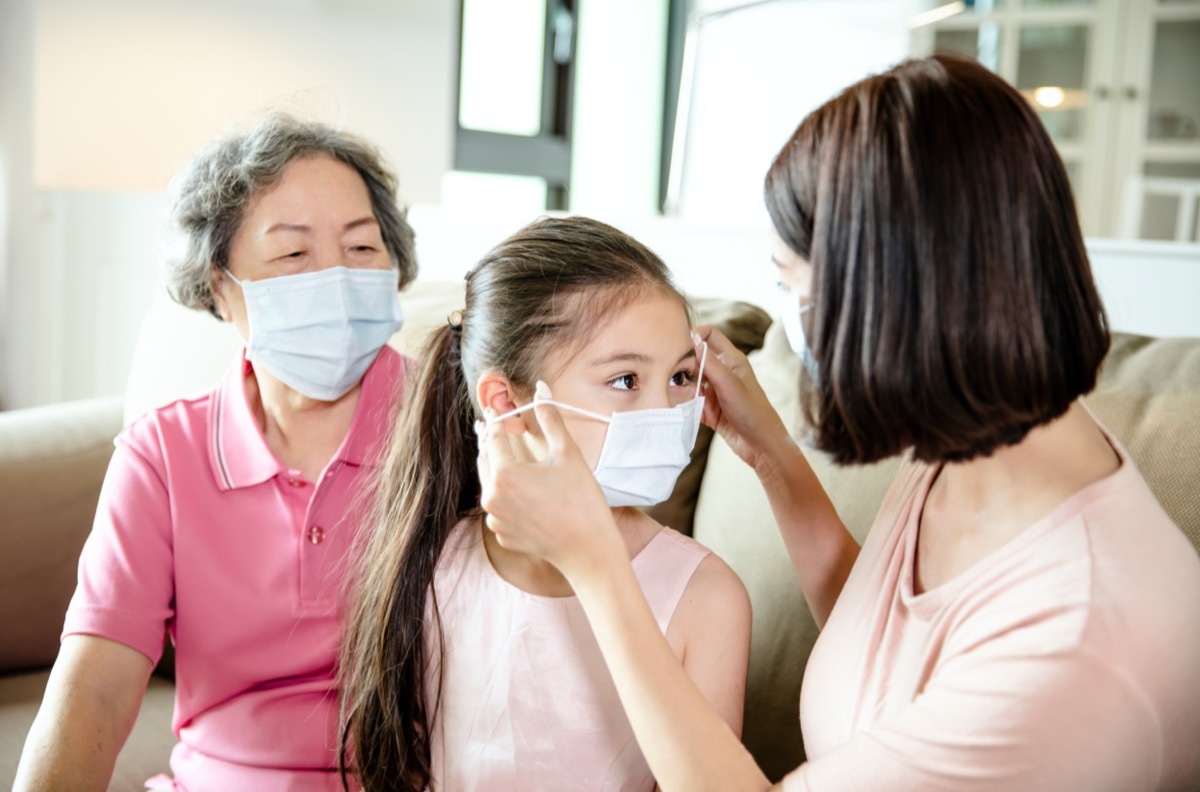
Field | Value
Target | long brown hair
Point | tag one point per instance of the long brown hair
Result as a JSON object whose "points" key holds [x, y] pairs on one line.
{"points": [[953, 304], [547, 285]]}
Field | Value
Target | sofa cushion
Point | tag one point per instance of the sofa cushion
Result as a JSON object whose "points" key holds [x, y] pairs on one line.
{"points": [[52, 460], [734, 519], [1148, 396]]}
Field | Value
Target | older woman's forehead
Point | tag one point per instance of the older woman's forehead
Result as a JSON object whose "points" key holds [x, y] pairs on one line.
{"points": [[308, 189]]}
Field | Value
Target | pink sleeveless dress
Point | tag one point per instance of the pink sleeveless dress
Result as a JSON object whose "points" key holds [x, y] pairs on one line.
{"points": [[527, 700]]}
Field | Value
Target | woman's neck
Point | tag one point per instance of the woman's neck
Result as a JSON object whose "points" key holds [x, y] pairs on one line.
{"points": [[975, 507], [302, 433]]}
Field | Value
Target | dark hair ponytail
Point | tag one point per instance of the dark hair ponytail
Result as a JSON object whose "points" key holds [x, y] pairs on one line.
{"points": [[549, 284], [429, 483]]}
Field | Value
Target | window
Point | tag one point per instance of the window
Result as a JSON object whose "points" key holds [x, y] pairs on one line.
{"points": [[515, 88]]}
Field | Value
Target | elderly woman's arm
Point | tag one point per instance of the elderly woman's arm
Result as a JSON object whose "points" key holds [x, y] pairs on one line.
{"points": [[91, 703]]}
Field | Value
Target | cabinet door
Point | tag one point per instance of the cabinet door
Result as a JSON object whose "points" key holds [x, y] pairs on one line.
{"points": [[1158, 181], [1060, 55]]}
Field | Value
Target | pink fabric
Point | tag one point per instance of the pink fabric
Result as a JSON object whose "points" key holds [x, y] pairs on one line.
{"points": [[527, 702], [1068, 659], [202, 533]]}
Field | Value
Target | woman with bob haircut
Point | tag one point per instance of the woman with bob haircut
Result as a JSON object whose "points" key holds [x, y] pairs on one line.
{"points": [[225, 519], [1011, 621]]}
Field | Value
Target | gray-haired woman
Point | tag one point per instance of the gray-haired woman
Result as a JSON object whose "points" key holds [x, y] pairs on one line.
{"points": [[225, 520]]}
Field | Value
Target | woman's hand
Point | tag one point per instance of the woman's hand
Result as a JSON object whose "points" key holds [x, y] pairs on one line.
{"points": [[552, 509], [821, 549], [735, 404]]}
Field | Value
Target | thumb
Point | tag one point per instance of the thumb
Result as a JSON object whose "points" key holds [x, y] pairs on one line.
{"points": [[554, 429], [720, 377]]}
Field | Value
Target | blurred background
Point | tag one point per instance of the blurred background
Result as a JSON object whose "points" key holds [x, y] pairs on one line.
{"points": [[660, 116]]}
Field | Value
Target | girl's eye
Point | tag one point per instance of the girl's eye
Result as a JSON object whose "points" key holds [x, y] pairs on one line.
{"points": [[293, 254], [625, 382], [683, 377]]}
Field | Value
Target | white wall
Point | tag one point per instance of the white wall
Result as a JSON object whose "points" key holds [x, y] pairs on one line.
{"points": [[126, 89], [79, 265], [18, 360], [1148, 287], [103, 101], [758, 73]]}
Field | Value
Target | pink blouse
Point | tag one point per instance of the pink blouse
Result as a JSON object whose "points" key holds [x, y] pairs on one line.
{"points": [[527, 701], [1067, 659]]}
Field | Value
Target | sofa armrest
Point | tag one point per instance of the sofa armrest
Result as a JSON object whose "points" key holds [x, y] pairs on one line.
{"points": [[52, 463]]}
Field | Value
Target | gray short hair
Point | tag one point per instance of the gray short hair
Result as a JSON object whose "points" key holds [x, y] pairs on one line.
{"points": [[210, 196]]}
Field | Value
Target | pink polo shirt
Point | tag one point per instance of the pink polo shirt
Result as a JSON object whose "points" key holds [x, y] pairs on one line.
{"points": [[203, 534]]}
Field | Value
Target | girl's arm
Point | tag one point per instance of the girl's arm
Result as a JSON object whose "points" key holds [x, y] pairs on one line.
{"points": [[687, 743], [711, 625], [822, 551]]}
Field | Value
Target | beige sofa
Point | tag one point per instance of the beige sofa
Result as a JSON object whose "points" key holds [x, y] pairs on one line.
{"points": [[52, 461]]}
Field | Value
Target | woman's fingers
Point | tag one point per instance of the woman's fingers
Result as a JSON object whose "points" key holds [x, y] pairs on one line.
{"points": [[716, 340], [554, 429], [496, 447]]}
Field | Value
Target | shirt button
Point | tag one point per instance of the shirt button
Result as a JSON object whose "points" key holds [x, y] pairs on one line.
{"points": [[316, 534], [295, 482]]}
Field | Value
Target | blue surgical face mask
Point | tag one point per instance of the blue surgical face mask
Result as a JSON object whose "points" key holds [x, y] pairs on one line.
{"points": [[791, 315], [644, 451], [318, 332]]}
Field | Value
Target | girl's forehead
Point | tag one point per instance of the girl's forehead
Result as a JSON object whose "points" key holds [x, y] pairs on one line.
{"points": [[649, 328]]}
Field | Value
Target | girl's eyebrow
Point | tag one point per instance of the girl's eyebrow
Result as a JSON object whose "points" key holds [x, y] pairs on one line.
{"points": [[637, 357], [622, 357]]}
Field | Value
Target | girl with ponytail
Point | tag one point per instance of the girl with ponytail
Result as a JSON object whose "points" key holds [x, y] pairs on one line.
{"points": [[467, 665]]}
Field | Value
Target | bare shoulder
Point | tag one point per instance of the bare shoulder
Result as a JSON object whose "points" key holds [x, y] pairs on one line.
{"points": [[715, 597], [715, 581], [711, 634]]}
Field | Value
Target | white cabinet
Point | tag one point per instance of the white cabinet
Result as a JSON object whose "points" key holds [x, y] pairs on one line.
{"points": [[1117, 84]]}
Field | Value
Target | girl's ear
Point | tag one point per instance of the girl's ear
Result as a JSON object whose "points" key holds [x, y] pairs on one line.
{"points": [[496, 396]]}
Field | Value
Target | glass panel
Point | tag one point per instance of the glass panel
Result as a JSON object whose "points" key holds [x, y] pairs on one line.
{"points": [[1158, 217], [982, 43], [1174, 97], [1173, 170], [500, 85], [1173, 182], [1051, 73], [486, 192]]}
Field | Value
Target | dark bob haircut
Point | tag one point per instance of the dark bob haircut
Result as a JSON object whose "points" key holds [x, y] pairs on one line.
{"points": [[953, 305]]}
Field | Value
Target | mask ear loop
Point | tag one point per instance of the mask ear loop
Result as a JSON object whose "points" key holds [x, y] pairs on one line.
{"points": [[560, 405], [700, 373]]}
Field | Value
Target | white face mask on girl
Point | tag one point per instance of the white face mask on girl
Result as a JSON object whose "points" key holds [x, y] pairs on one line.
{"points": [[644, 451], [318, 332]]}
